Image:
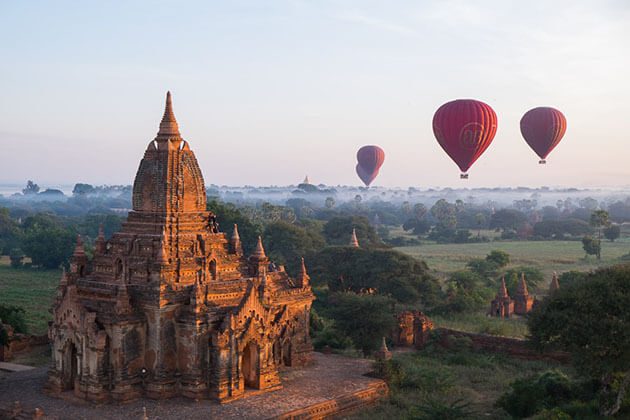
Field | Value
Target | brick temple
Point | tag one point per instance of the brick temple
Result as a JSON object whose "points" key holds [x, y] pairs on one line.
{"points": [[170, 305]]}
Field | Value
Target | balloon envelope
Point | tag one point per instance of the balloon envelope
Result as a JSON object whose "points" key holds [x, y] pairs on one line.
{"points": [[464, 128], [543, 128], [370, 160]]}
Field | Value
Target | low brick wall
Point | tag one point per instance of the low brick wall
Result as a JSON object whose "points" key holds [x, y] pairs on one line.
{"points": [[341, 405], [19, 343], [495, 344]]}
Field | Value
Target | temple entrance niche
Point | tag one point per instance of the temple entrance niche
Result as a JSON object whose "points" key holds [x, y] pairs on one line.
{"points": [[250, 366], [70, 366]]}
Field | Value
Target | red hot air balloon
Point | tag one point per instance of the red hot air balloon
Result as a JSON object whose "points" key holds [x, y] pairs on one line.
{"points": [[464, 128], [370, 159], [543, 128]]}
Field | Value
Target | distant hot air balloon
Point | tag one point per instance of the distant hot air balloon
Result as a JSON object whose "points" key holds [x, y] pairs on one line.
{"points": [[370, 159], [464, 128], [543, 128]]}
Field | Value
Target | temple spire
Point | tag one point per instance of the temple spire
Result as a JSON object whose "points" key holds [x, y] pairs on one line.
{"points": [[168, 126], [259, 253], [354, 242], [502, 289], [303, 279], [78, 249], [100, 240], [522, 286], [235, 241]]}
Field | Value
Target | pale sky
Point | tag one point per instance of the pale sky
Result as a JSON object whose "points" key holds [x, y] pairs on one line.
{"points": [[269, 91]]}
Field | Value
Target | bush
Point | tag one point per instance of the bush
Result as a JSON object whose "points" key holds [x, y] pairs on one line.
{"points": [[13, 316], [530, 395]]}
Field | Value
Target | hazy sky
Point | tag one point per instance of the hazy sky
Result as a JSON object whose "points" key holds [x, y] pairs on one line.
{"points": [[268, 91]]}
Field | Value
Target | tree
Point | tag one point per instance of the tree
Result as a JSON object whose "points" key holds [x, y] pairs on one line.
{"points": [[480, 220], [83, 189], [507, 219], [591, 320], [13, 316], [530, 395], [500, 258], [31, 188], [338, 230], [228, 215], [329, 203], [599, 219], [362, 317], [612, 232], [382, 271], [286, 243], [592, 246], [17, 257], [445, 213], [10, 232], [48, 247]]}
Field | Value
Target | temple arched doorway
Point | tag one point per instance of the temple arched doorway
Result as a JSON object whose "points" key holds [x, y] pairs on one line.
{"points": [[70, 366], [250, 365]]}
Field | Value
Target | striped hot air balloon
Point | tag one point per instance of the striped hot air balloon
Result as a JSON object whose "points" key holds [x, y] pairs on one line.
{"points": [[543, 128], [370, 160], [464, 128]]}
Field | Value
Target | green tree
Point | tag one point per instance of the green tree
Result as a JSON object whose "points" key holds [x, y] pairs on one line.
{"points": [[31, 188], [362, 317], [10, 232], [17, 257], [500, 258], [530, 395], [338, 230], [592, 246], [49, 247], [13, 316], [329, 203], [507, 219], [612, 232], [599, 220], [591, 320], [228, 215], [287, 243], [386, 272], [445, 213]]}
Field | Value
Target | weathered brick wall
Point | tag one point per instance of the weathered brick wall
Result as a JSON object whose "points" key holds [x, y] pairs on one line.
{"points": [[514, 347]]}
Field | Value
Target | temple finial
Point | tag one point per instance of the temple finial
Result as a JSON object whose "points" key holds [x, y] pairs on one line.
{"points": [[503, 289], [168, 126], [78, 248], [259, 253], [522, 286], [354, 242]]}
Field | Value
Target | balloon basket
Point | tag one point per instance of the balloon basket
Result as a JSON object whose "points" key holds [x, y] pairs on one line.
{"points": [[542, 162], [463, 176]]}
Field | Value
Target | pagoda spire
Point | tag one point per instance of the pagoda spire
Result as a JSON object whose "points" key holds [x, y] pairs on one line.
{"points": [[502, 289], [303, 279], [259, 253], [354, 242], [522, 286], [79, 251], [100, 240], [235, 241], [168, 126]]}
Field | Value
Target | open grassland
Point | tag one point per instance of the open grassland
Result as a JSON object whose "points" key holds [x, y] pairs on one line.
{"points": [[548, 256], [31, 289], [439, 377]]}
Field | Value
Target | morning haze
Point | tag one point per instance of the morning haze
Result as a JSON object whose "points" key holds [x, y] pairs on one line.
{"points": [[293, 87]]}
